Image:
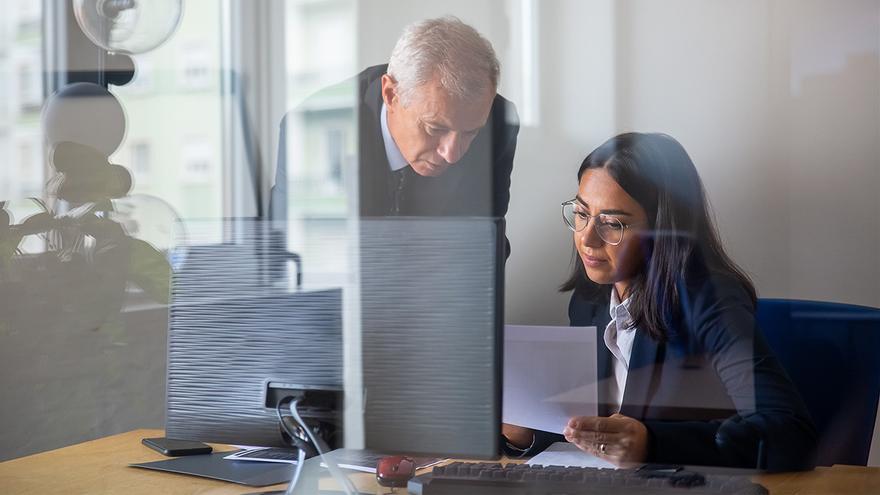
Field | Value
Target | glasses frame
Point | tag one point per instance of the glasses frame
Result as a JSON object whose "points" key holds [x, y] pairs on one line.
{"points": [[575, 202]]}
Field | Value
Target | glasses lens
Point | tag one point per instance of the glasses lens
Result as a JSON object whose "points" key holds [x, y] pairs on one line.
{"points": [[572, 218], [610, 229]]}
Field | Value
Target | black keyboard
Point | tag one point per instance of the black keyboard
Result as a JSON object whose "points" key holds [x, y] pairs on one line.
{"points": [[461, 478]]}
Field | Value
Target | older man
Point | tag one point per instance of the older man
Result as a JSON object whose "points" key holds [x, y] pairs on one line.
{"points": [[434, 138]]}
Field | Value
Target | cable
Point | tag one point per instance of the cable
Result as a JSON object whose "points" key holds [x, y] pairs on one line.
{"points": [[300, 441], [300, 460], [330, 463]]}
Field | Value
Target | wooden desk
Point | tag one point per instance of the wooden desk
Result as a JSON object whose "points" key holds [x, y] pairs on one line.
{"points": [[101, 466]]}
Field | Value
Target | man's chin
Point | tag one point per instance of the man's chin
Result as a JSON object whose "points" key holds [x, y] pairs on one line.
{"points": [[428, 169]]}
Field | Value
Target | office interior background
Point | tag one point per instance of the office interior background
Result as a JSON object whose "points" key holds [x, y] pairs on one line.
{"points": [[777, 101]]}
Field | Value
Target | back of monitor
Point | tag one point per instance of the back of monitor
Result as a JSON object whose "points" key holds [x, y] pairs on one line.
{"points": [[236, 326], [431, 319]]}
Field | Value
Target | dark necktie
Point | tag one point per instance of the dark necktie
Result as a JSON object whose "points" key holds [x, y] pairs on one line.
{"points": [[400, 177]]}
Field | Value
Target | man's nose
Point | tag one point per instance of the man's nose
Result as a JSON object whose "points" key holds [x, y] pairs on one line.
{"points": [[451, 147]]}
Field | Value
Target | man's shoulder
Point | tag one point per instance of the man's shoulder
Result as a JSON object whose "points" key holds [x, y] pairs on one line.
{"points": [[371, 74], [345, 93], [504, 114]]}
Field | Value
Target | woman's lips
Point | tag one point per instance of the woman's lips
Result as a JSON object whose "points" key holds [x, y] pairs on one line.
{"points": [[592, 261]]}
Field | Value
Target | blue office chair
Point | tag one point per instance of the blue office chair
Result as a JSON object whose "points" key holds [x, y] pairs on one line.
{"points": [[831, 352]]}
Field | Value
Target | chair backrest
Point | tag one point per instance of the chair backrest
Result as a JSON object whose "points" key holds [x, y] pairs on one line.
{"points": [[831, 352]]}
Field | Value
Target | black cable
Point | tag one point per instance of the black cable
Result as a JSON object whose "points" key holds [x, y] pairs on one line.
{"points": [[299, 442]]}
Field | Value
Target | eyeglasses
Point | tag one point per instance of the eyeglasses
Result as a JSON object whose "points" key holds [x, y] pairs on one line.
{"points": [[610, 229]]}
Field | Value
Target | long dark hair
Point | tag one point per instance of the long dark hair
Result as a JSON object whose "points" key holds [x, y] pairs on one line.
{"points": [[658, 173]]}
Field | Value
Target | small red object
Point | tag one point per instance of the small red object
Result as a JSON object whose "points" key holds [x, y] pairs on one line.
{"points": [[395, 470]]}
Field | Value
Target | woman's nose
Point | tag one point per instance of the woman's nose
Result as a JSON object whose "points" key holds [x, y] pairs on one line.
{"points": [[589, 236]]}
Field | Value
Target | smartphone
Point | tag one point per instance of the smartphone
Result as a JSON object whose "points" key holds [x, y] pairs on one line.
{"points": [[176, 448]]}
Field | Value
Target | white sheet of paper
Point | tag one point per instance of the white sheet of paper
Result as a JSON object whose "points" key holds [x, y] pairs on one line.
{"points": [[549, 375], [566, 454]]}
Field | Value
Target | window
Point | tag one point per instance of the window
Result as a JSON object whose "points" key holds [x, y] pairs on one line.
{"points": [[198, 162], [168, 134], [144, 78], [29, 13], [29, 85], [4, 90], [140, 165], [194, 71], [321, 140], [335, 155], [20, 100], [30, 172]]}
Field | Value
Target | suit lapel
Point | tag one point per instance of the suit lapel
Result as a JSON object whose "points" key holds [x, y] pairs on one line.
{"points": [[604, 371], [642, 375], [373, 170]]}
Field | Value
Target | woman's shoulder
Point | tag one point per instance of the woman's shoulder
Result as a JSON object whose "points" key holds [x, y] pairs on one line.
{"points": [[586, 304], [717, 306], [708, 288]]}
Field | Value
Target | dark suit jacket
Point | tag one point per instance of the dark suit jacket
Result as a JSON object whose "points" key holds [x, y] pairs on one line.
{"points": [[477, 185], [713, 393]]}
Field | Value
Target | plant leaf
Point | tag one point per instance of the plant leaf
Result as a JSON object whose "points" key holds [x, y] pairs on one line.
{"points": [[36, 224], [41, 204]]}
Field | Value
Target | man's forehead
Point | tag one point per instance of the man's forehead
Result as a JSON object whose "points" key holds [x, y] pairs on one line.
{"points": [[436, 105]]}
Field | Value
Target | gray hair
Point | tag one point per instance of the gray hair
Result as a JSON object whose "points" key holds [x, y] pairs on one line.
{"points": [[447, 49]]}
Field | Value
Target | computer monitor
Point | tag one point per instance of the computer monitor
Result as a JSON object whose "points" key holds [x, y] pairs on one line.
{"points": [[241, 337], [429, 338], [431, 315]]}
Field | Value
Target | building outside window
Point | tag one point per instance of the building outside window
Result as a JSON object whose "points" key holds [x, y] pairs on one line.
{"points": [[141, 166], [21, 88], [194, 71], [30, 87], [197, 162]]}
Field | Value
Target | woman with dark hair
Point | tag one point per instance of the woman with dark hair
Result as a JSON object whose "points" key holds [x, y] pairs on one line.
{"points": [[685, 375]]}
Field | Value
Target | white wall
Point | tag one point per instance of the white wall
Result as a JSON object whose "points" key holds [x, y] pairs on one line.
{"points": [[777, 102]]}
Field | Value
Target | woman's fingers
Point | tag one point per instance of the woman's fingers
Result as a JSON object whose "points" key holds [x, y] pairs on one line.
{"points": [[598, 423], [592, 435], [617, 438]]}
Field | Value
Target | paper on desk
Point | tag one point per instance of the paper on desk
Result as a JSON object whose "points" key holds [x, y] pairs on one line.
{"points": [[549, 375], [566, 454]]}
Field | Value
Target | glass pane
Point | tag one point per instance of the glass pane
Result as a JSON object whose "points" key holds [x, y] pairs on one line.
{"points": [[320, 132], [321, 140], [21, 85], [173, 110]]}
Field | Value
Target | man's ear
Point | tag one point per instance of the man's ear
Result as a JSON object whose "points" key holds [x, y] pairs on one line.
{"points": [[389, 90]]}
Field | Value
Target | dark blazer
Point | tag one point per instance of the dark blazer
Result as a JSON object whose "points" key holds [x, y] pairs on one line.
{"points": [[477, 185], [713, 393]]}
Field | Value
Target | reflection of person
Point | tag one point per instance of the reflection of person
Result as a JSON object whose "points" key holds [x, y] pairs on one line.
{"points": [[434, 138], [685, 375]]}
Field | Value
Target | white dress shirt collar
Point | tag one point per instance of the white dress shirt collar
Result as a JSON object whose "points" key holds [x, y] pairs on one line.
{"points": [[395, 157], [619, 337]]}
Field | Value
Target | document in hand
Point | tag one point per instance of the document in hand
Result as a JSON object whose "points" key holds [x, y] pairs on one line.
{"points": [[549, 375], [566, 454]]}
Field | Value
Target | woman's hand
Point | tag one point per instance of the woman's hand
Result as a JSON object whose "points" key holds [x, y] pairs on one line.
{"points": [[518, 436], [618, 439]]}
